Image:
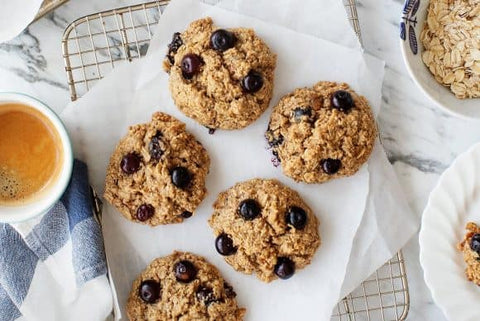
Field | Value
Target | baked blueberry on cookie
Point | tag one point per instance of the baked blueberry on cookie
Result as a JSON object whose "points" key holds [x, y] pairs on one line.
{"points": [[264, 227], [222, 78], [157, 172], [470, 246], [321, 133], [182, 286]]}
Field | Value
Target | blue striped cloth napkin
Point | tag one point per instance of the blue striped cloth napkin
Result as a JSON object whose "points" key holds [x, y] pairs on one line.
{"points": [[53, 267]]}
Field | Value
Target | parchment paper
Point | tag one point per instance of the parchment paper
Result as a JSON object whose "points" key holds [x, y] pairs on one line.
{"points": [[15, 16], [132, 92], [388, 222]]}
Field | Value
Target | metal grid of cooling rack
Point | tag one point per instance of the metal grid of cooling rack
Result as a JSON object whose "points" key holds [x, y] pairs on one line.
{"points": [[383, 296], [351, 8], [95, 44], [47, 6]]}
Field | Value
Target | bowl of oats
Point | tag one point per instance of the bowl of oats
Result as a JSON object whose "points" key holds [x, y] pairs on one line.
{"points": [[440, 43]]}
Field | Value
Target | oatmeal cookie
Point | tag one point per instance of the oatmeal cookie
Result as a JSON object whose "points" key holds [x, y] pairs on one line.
{"points": [[264, 227], [157, 172], [182, 286], [470, 246], [222, 78], [321, 133]]}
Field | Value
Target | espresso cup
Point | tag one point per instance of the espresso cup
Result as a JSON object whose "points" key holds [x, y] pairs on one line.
{"points": [[36, 158]]}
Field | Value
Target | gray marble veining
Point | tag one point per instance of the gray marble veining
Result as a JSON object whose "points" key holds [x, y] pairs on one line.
{"points": [[32, 62], [421, 140]]}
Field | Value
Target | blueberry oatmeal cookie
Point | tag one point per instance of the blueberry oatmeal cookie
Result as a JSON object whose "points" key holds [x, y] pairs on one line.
{"points": [[470, 246], [222, 78], [157, 172], [182, 286], [321, 133], [264, 227]]}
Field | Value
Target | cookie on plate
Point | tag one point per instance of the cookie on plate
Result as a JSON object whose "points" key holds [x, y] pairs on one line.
{"points": [[182, 286], [470, 246], [157, 172], [222, 78], [321, 133], [264, 227]]}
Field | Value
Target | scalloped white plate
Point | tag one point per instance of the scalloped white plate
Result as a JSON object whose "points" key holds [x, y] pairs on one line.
{"points": [[453, 202]]}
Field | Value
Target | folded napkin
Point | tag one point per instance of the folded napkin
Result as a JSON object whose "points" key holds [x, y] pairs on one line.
{"points": [[53, 267]]}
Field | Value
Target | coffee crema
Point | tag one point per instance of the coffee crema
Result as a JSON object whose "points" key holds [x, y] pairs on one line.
{"points": [[31, 154]]}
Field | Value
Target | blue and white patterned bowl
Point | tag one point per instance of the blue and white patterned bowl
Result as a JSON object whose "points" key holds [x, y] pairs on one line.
{"points": [[413, 19]]}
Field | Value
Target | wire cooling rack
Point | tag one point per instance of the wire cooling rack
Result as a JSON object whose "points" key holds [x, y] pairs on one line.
{"points": [[383, 296], [47, 6], [351, 8], [95, 44]]}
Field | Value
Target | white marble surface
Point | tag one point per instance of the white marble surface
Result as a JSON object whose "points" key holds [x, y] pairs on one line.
{"points": [[421, 141]]}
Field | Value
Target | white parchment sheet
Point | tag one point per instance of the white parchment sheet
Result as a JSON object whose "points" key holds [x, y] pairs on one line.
{"points": [[131, 93], [388, 222]]}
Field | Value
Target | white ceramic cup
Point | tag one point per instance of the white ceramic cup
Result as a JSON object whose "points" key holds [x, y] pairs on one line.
{"points": [[45, 201]]}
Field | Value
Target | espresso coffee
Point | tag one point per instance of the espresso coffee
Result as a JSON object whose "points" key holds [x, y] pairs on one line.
{"points": [[31, 154]]}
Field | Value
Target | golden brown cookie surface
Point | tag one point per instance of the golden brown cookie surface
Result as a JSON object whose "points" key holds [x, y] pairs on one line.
{"points": [[264, 227], [182, 286], [157, 172], [471, 257], [221, 78], [321, 133]]}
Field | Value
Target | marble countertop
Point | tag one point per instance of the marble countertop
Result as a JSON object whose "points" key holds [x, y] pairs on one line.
{"points": [[420, 140]]}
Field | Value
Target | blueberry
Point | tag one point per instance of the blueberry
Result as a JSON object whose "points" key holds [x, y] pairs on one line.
{"points": [[342, 100], [149, 291], [185, 271], [475, 243], [272, 139], [205, 295], [276, 161], [229, 292], [186, 214], [211, 131], [284, 268], [176, 43], [190, 65], [299, 112], [224, 245], [297, 217], [144, 212], [181, 177], [155, 146], [330, 166], [222, 40], [249, 209], [252, 82], [130, 163]]}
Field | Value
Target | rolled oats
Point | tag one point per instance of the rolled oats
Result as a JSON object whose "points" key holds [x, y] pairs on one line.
{"points": [[451, 41]]}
